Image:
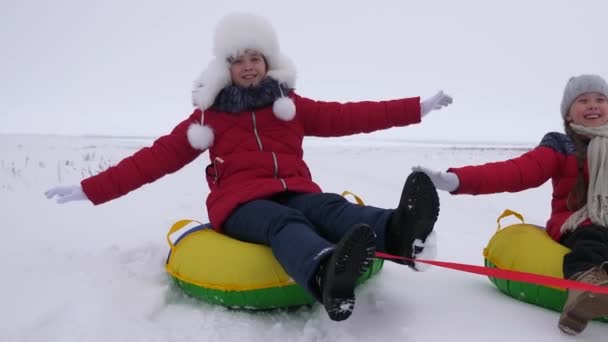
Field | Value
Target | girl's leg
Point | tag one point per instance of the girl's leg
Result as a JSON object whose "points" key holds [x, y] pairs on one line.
{"points": [[589, 247], [585, 263], [333, 215], [397, 230], [329, 273], [292, 238]]}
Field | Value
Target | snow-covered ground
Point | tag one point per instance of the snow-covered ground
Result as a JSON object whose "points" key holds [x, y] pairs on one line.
{"points": [[76, 272]]}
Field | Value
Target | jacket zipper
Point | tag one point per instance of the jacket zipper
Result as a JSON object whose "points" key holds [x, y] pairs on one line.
{"points": [[215, 161], [255, 132], [276, 170], [274, 155]]}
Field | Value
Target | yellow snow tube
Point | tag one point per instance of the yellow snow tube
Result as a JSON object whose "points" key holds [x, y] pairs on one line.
{"points": [[527, 248], [222, 270]]}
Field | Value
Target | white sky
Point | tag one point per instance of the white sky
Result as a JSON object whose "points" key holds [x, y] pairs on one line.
{"points": [[119, 67]]}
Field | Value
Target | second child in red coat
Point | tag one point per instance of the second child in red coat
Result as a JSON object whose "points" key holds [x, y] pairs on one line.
{"points": [[575, 163], [253, 124]]}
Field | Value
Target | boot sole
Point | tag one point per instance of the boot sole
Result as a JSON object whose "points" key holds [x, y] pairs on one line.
{"points": [[352, 257], [588, 306], [421, 184], [423, 217]]}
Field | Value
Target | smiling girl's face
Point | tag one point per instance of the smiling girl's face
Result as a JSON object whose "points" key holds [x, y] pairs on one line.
{"points": [[248, 69], [589, 110]]}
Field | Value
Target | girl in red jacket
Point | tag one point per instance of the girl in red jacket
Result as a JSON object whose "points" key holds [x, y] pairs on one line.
{"points": [[576, 163], [253, 123]]}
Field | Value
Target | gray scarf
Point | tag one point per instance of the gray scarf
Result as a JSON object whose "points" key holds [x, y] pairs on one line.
{"points": [[596, 208]]}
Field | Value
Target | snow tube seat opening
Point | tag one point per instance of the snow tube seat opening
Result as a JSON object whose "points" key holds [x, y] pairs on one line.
{"points": [[221, 270], [528, 248]]}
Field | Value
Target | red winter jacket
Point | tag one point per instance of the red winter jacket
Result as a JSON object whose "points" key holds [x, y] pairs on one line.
{"points": [[254, 154], [553, 159]]}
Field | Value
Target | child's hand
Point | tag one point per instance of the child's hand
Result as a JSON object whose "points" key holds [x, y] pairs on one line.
{"points": [[446, 181], [434, 102], [66, 193]]}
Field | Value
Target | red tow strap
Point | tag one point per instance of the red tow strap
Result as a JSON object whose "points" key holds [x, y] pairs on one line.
{"points": [[506, 274]]}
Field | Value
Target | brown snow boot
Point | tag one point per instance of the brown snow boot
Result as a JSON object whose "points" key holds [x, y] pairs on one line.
{"points": [[583, 306]]}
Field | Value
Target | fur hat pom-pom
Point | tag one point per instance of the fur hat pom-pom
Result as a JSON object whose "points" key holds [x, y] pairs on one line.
{"points": [[284, 108], [200, 137]]}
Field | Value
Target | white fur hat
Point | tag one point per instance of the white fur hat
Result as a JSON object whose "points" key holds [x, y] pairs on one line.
{"points": [[234, 34]]}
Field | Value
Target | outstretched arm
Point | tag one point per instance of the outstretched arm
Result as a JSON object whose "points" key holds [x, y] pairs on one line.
{"points": [[333, 119], [167, 154], [527, 171]]}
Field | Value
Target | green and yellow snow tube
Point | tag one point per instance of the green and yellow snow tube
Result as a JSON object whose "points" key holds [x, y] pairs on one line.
{"points": [[221, 270], [527, 248]]}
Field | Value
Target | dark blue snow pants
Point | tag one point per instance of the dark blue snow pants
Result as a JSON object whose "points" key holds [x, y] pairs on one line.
{"points": [[302, 229], [589, 248]]}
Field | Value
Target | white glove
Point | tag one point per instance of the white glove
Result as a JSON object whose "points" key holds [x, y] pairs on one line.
{"points": [[434, 102], [446, 181], [66, 193]]}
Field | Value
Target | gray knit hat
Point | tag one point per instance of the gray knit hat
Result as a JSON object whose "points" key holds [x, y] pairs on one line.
{"points": [[579, 85]]}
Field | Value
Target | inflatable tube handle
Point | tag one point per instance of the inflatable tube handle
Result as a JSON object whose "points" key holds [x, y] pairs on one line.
{"points": [[507, 213], [177, 226], [357, 198]]}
